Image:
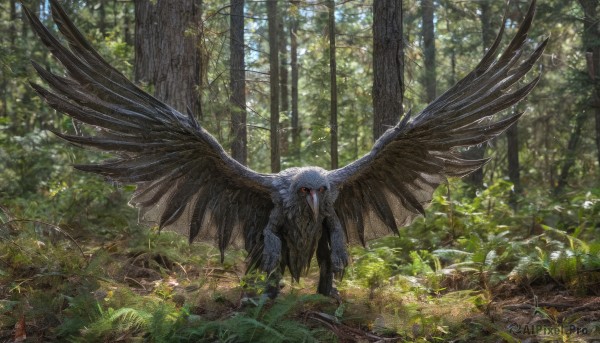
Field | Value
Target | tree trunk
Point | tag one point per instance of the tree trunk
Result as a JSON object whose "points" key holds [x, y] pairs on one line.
{"points": [[237, 74], [453, 44], [512, 134], [166, 55], [284, 98], [127, 25], [102, 17], [429, 50], [514, 168], [475, 179], [12, 36], [591, 42], [333, 86], [294, 86], [571, 152], [388, 65], [274, 84]]}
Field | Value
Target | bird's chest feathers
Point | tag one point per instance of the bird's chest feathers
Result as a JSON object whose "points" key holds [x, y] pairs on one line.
{"points": [[301, 227]]}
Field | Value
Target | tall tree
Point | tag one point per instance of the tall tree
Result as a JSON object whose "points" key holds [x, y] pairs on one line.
{"points": [[101, 8], [591, 42], [12, 36], [333, 114], [274, 84], [388, 65], [512, 156], [294, 81], [237, 75], [284, 97], [475, 179], [166, 55], [429, 79]]}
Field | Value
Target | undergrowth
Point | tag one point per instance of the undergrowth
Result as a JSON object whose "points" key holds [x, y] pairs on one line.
{"points": [[87, 279]]}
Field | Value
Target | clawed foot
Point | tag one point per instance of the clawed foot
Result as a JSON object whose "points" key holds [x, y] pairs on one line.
{"points": [[335, 294], [339, 261]]}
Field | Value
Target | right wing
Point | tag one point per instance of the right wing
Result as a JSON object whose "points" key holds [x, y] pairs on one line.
{"points": [[185, 180], [392, 184]]}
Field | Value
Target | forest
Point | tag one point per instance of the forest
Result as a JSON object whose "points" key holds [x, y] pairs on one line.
{"points": [[508, 253]]}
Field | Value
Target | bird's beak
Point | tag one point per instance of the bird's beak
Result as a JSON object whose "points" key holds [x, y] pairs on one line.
{"points": [[313, 202]]}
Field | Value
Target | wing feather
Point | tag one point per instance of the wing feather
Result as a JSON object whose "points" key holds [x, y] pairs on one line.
{"points": [[185, 180], [392, 184]]}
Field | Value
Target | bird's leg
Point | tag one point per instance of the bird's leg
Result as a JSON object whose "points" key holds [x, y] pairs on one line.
{"points": [[324, 258], [273, 283], [337, 239], [331, 255], [272, 243]]}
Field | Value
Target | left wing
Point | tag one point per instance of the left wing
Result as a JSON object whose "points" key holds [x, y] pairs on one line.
{"points": [[185, 180], [389, 187]]}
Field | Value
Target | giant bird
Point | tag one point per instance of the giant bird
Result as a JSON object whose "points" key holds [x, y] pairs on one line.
{"points": [[185, 180]]}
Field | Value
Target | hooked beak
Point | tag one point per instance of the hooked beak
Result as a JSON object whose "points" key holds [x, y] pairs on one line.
{"points": [[313, 202]]}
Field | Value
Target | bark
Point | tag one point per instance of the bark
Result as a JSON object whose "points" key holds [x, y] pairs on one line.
{"points": [[284, 97], [429, 50], [388, 65], [475, 179], [237, 74], [166, 54], [12, 35], [512, 134], [591, 42], [127, 25], [274, 84], [514, 168], [102, 17], [12, 30], [333, 86], [294, 83], [453, 39]]}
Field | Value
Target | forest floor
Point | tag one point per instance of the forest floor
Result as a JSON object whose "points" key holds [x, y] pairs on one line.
{"points": [[115, 292]]}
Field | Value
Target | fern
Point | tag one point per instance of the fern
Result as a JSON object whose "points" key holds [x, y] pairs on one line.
{"points": [[259, 324]]}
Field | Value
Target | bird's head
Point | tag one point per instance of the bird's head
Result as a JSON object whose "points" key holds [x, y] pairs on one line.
{"points": [[310, 185]]}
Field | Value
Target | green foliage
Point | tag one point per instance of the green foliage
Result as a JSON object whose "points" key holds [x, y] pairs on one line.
{"points": [[260, 324]]}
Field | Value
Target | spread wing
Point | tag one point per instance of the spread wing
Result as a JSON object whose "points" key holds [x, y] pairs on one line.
{"points": [[185, 180], [388, 187]]}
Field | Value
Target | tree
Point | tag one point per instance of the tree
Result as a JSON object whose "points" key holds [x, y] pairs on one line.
{"points": [[429, 50], [274, 84], [514, 166], [591, 41], [388, 65], [294, 82], [166, 55], [333, 120], [284, 98], [237, 83]]}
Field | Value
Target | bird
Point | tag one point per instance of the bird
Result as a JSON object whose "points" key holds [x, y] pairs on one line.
{"points": [[186, 182]]}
